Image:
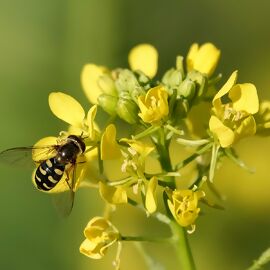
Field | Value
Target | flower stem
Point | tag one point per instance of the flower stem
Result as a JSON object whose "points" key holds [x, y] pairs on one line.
{"points": [[182, 247], [145, 239]]}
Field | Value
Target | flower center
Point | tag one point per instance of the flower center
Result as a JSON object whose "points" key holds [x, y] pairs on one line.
{"points": [[230, 114], [154, 103]]}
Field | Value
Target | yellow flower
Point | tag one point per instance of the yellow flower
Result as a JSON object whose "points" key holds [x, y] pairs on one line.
{"points": [[154, 105], [144, 57], [233, 109], [184, 206], [70, 110], [100, 235], [203, 59]]}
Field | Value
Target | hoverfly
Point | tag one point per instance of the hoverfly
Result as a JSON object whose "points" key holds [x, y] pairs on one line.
{"points": [[61, 162]]}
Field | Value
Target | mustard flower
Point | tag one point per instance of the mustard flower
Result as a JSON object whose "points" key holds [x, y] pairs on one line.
{"points": [[233, 109], [154, 105], [183, 205], [100, 235], [203, 59]]}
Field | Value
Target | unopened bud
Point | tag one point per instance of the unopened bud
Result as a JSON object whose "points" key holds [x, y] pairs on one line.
{"points": [[200, 80], [186, 89], [127, 110], [127, 82], [172, 78], [108, 103]]}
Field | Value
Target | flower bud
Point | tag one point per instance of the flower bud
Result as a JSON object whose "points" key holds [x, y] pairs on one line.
{"points": [[108, 103], [186, 89], [172, 78], [199, 80], [127, 110], [127, 82]]}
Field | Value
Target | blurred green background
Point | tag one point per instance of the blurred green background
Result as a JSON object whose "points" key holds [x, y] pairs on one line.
{"points": [[43, 46]]}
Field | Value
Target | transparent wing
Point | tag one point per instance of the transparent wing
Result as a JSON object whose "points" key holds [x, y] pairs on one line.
{"points": [[63, 201], [25, 156]]}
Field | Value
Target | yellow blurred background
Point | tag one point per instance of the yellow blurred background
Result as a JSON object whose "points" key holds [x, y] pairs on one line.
{"points": [[43, 46]]}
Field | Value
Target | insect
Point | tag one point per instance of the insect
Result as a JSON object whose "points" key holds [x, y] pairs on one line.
{"points": [[61, 162]]}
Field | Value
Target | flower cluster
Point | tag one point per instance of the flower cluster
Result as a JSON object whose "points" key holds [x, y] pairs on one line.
{"points": [[129, 160]]}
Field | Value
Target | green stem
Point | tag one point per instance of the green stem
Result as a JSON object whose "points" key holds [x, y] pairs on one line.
{"points": [[192, 157], [182, 247], [162, 147], [146, 132], [262, 261], [145, 239]]}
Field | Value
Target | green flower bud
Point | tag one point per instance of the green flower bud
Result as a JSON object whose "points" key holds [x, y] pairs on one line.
{"points": [[108, 103], [106, 83], [127, 110], [186, 89], [200, 80], [172, 79], [127, 82]]}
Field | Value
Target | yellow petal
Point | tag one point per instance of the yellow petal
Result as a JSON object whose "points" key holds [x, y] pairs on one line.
{"points": [[66, 108], [247, 127], [151, 200], [92, 173], [100, 222], [225, 89], [87, 249], [113, 195], [224, 134], [144, 57], [203, 59], [89, 79], [191, 56], [108, 145], [244, 97], [90, 122]]}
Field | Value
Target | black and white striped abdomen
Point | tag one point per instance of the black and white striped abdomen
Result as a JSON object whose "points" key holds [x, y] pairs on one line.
{"points": [[48, 174]]}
